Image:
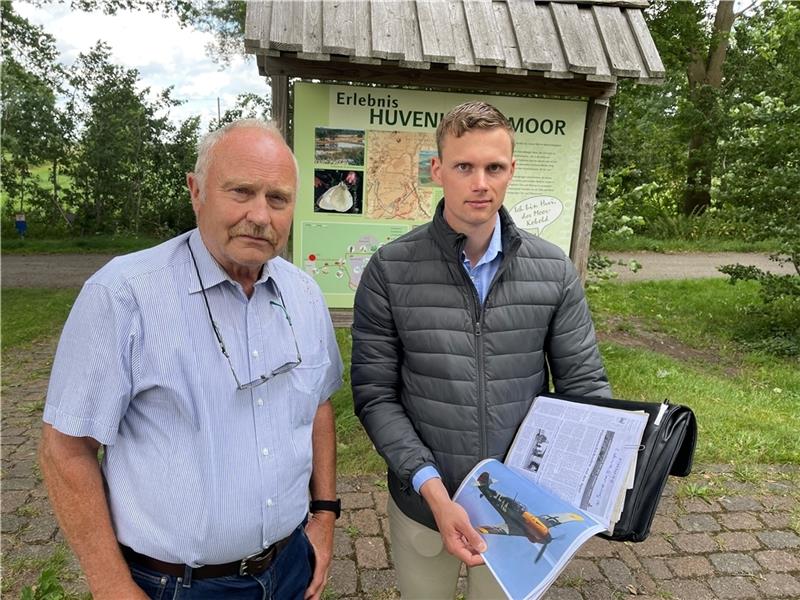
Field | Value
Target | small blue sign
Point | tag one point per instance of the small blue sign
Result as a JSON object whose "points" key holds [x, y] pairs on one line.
{"points": [[21, 224]]}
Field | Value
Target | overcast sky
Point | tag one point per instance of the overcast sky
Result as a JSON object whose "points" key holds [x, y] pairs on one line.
{"points": [[162, 52]]}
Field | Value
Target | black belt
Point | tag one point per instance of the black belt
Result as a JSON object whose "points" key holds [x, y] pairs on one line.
{"points": [[255, 564]]}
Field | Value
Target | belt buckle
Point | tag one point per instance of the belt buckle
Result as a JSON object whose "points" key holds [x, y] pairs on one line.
{"points": [[243, 567]]}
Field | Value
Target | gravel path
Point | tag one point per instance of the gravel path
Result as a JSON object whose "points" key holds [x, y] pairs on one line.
{"points": [[71, 270], [687, 265], [50, 270]]}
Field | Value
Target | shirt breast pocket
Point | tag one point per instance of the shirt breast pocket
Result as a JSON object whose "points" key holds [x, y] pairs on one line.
{"points": [[307, 380]]}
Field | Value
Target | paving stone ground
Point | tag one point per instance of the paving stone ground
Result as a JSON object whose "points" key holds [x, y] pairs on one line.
{"points": [[730, 534]]}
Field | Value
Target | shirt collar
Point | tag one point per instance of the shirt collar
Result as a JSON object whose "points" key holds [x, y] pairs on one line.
{"points": [[495, 247], [211, 272]]}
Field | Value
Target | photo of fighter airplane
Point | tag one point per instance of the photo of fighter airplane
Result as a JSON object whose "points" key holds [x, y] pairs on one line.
{"points": [[518, 520]]}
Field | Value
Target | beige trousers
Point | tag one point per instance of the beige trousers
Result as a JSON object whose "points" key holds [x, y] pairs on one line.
{"points": [[425, 570]]}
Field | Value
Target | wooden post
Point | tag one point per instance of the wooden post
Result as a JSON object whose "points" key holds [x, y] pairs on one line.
{"points": [[279, 84], [587, 182], [280, 104]]}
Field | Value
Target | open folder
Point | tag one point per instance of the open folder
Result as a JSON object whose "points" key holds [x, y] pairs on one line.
{"points": [[577, 467]]}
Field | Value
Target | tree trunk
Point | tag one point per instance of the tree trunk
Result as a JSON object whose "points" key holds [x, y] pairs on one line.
{"points": [[704, 75], [55, 193], [55, 180], [697, 195]]}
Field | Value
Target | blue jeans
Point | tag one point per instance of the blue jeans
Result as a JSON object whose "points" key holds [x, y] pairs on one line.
{"points": [[286, 579]]}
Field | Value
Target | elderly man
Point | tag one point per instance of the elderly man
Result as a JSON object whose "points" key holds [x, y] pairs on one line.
{"points": [[202, 367], [457, 327]]}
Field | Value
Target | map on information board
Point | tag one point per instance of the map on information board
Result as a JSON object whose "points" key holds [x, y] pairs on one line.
{"points": [[338, 252], [394, 190], [365, 155]]}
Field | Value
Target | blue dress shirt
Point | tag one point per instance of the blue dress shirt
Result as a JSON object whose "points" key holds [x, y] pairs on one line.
{"points": [[197, 471], [481, 276]]}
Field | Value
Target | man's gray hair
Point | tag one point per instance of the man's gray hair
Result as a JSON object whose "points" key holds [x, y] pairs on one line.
{"points": [[209, 140]]}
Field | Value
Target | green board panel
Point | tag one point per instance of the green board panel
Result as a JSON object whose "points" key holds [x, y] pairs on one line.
{"points": [[335, 254], [364, 156]]}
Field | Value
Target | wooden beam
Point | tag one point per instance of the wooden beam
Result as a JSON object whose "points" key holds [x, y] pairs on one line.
{"points": [[618, 42], [280, 104], [595, 45], [362, 28], [579, 52], [341, 317], [413, 40], [508, 40], [587, 184], [437, 77], [279, 85]]}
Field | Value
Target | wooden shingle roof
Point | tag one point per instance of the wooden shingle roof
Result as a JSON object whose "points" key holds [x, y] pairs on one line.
{"points": [[595, 41]]}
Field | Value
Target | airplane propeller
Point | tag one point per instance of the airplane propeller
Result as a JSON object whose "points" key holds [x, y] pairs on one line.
{"points": [[544, 547], [484, 479]]}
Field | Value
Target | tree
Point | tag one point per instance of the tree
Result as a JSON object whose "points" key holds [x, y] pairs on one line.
{"points": [[760, 156], [169, 211], [663, 154], [225, 19], [248, 106], [91, 121], [122, 131], [691, 41], [704, 75], [33, 126]]}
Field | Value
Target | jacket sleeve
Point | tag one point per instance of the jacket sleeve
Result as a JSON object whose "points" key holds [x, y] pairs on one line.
{"points": [[572, 351], [376, 378]]}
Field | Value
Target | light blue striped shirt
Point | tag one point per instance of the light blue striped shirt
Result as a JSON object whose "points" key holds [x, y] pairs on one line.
{"points": [[481, 276], [198, 472]]}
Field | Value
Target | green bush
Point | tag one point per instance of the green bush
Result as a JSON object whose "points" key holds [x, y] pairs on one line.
{"points": [[616, 213], [710, 225], [773, 325]]}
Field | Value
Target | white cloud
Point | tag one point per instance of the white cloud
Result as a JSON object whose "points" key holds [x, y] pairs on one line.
{"points": [[164, 54]]}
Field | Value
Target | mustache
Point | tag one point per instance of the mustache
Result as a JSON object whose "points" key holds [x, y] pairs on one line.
{"points": [[256, 231]]}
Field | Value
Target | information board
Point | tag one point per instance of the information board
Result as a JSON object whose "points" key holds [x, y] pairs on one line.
{"points": [[365, 154]]}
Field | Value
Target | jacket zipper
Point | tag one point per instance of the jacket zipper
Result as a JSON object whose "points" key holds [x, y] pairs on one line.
{"points": [[481, 390], [477, 313], [478, 316]]}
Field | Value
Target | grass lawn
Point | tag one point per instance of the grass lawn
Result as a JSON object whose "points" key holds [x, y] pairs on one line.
{"points": [[669, 339], [680, 340], [30, 315], [748, 416]]}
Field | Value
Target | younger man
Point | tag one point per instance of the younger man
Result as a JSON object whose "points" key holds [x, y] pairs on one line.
{"points": [[458, 325]]}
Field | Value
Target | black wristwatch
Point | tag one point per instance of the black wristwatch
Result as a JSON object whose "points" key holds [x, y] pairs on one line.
{"points": [[334, 506]]}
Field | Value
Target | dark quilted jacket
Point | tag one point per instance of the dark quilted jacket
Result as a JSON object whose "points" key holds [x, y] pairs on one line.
{"points": [[438, 379]]}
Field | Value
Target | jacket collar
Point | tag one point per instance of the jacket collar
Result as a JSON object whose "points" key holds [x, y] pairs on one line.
{"points": [[452, 243]]}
